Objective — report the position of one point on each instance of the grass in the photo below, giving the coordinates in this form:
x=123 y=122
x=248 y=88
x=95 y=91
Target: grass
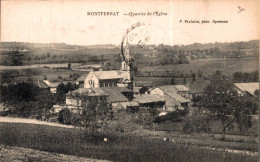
x=118 y=147
x=228 y=66
x=36 y=74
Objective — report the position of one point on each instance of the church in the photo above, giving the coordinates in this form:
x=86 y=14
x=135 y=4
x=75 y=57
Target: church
x=113 y=78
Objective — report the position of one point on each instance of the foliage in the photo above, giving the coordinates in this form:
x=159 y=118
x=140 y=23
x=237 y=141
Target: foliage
x=63 y=89
x=240 y=77
x=172 y=116
x=221 y=100
x=64 y=116
x=143 y=90
x=27 y=100
x=94 y=114
x=146 y=116
x=196 y=122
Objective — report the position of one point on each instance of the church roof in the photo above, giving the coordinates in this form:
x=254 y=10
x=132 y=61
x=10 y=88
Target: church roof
x=103 y=75
x=82 y=78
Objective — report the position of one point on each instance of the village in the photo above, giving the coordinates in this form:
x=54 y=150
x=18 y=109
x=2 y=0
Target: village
x=158 y=81
x=120 y=90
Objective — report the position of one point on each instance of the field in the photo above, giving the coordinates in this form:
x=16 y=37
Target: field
x=228 y=66
x=8 y=153
x=36 y=73
x=79 y=142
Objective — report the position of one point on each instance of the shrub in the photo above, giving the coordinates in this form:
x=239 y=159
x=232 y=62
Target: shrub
x=173 y=116
x=196 y=122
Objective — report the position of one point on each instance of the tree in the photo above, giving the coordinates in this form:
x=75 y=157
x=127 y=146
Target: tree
x=96 y=111
x=184 y=80
x=173 y=81
x=64 y=116
x=45 y=77
x=193 y=76
x=27 y=100
x=63 y=89
x=221 y=100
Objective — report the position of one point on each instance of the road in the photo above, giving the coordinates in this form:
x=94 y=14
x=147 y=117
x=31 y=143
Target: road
x=32 y=121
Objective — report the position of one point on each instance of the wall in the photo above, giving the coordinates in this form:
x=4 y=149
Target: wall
x=91 y=77
x=74 y=102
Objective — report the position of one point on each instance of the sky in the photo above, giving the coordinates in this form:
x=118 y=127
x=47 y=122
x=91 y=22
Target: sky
x=56 y=21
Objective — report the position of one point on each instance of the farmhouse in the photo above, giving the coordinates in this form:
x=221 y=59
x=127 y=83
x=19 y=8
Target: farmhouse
x=117 y=96
x=247 y=88
x=152 y=101
x=173 y=95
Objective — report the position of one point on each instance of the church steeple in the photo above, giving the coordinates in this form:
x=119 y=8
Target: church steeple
x=127 y=51
x=124 y=65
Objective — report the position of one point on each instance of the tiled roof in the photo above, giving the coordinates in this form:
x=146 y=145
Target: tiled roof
x=132 y=103
x=148 y=98
x=115 y=94
x=172 y=91
x=87 y=92
x=42 y=84
x=178 y=97
x=48 y=84
x=82 y=78
x=248 y=87
x=176 y=88
x=108 y=75
x=51 y=85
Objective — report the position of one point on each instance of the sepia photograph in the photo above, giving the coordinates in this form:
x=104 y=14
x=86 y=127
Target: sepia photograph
x=129 y=81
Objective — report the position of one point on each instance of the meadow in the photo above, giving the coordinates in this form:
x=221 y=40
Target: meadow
x=79 y=142
x=228 y=66
x=33 y=74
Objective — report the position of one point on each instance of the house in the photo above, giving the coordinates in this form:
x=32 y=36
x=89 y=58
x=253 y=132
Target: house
x=52 y=86
x=152 y=101
x=247 y=88
x=48 y=85
x=74 y=99
x=117 y=96
x=173 y=96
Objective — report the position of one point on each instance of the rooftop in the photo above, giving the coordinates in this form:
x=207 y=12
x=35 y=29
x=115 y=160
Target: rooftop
x=103 y=75
x=87 y=92
x=148 y=98
x=115 y=93
x=172 y=91
x=176 y=88
x=82 y=78
x=248 y=87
